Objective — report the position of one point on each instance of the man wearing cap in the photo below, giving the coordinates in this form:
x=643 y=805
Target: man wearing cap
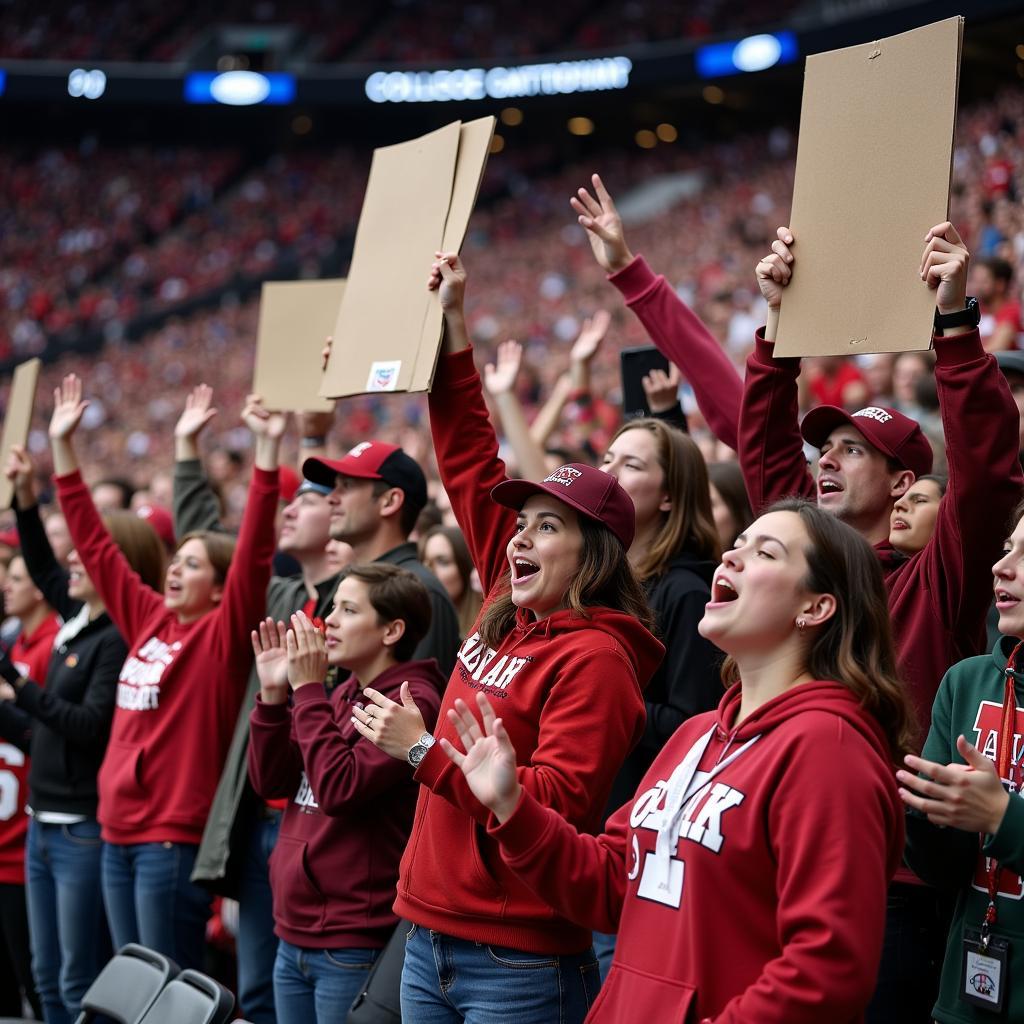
x=377 y=491
x=939 y=597
x=1012 y=365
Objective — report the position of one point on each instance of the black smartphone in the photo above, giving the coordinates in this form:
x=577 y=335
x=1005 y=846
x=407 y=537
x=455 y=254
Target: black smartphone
x=636 y=363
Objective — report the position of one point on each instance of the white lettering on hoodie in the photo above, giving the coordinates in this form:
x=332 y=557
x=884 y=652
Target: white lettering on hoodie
x=476 y=657
x=138 y=687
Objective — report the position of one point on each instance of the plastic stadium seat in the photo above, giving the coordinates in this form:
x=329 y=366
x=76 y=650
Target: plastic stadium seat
x=191 y=998
x=128 y=986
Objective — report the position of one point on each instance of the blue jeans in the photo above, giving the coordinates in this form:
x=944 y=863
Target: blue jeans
x=317 y=986
x=604 y=949
x=150 y=899
x=448 y=981
x=70 y=942
x=256 y=943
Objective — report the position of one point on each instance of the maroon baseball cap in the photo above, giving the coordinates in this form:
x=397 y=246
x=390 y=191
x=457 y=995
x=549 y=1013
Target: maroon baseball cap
x=892 y=433
x=373 y=460
x=161 y=521
x=592 y=493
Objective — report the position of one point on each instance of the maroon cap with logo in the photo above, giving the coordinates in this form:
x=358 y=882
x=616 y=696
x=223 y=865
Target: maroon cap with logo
x=892 y=433
x=373 y=460
x=592 y=493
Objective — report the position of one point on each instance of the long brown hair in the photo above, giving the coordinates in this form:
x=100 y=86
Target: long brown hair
x=139 y=544
x=604 y=579
x=855 y=646
x=688 y=524
x=468 y=604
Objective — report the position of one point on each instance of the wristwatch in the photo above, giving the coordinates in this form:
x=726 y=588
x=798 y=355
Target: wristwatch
x=419 y=749
x=969 y=316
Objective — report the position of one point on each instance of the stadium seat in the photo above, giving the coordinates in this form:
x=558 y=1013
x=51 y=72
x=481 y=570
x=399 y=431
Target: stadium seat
x=128 y=986
x=191 y=998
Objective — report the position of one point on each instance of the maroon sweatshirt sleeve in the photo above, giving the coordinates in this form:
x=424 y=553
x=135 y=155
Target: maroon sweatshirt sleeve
x=771 y=450
x=980 y=423
x=128 y=600
x=582 y=877
x=595 y=696
x=837 y=835
x=346 y=771
x=467 y=457
x=275 y=764
x=682 y=337
x=245 y=590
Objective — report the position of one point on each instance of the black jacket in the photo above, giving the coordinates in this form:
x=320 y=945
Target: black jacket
x=68 y=719
x=688 y=681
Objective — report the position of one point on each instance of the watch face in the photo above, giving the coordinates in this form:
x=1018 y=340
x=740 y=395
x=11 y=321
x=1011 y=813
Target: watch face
x=416 y=754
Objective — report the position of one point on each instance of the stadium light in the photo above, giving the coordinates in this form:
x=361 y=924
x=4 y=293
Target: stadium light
x=90 y=85
x=239 y=88
x=754 y=53
x=3 y=81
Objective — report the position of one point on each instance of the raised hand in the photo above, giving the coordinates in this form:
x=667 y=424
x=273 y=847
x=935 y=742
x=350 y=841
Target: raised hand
x=965 y=796
x=599 y=218
x=68 y=407
x=262 y=422
x=662 y=389
x=448 y=277
x=774 y=271
x=500 y=376
x=271 y=661
x=393 y=727
x=489 y=762
x=197 y=413
x=944 y=267
x=590 y=337
x=307 y=652
x=19 y=471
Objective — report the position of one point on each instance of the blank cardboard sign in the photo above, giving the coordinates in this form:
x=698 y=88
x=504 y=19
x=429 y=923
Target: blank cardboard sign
x=872 y=176
x=17 y=419
x=419 y=198
x=295 y=319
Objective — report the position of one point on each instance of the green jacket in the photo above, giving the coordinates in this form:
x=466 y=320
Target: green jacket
x=195 y=508
x=970 y=702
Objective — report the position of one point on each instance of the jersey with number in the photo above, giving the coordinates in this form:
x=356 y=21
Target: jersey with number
x=31 y=655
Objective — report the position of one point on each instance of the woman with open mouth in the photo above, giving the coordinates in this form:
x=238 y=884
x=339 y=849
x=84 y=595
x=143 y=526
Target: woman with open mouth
x=562 y=645
x=747 y=878
x=912 y=522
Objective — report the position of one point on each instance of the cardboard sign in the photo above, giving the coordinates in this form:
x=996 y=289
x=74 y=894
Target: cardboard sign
x=296 y=318
x=17 y=420
x=873 y=170
x=418 y=201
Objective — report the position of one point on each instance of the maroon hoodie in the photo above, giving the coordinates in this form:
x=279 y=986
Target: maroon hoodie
x=350 y=805
x=938 y=598
x=568 y=689
x=768 y=900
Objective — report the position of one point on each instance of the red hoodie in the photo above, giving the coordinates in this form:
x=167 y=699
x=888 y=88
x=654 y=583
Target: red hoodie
x=31 y=655
x=768 y=904
x=682 y=337
x=181 y=685
x=350 y=805
x=567 y=688
x=938 y=599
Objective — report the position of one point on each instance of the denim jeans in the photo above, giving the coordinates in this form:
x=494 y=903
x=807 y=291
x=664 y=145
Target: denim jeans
x=604 y=950
x=317 y=986
x=256 y=943
x=448 y=981
x=70 y=941
x=150 y=899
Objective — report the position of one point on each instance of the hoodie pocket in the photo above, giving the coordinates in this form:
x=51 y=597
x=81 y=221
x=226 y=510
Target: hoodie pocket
x=485 y=880
x=297 y=899
x=633 y=995
x=125 y=799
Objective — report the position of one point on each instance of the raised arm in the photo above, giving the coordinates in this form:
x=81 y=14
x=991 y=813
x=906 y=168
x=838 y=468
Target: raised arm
x=500 y=378
x=195 y=505
x=464 y=440
x=128 y=600
x=771 y=450
x=672 y=325
x=49 y=576
x=245 y=590
x=980 y=424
